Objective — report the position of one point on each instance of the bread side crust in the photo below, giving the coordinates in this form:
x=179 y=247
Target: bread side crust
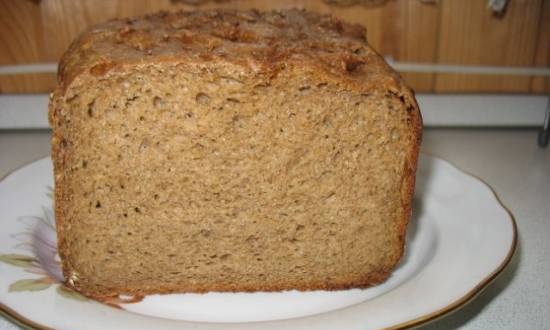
x=369 y=281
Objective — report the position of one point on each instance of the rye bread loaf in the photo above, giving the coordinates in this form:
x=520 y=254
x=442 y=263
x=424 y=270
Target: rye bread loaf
x=230 y=151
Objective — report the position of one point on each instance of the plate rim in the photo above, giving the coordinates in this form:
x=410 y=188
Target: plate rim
x=22 y=321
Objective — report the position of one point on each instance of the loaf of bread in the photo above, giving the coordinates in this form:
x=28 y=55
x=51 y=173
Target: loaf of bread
x=230 y=151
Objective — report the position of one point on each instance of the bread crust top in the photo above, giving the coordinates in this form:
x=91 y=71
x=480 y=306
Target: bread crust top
x=261 y=42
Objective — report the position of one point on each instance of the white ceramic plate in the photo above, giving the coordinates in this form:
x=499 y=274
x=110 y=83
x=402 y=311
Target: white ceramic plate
x=459 y=239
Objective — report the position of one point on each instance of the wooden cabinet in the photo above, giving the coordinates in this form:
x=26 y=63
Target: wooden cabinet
x=459 y=32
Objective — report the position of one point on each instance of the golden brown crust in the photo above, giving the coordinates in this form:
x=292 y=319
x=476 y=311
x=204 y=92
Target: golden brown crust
x=411 y=165
x=365 y=282
x=262 y=44
x=58 y=161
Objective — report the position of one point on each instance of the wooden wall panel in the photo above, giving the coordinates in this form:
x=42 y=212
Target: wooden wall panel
x=20 y=32
x=416 y=39
x=471 y=34
x=541 y=85
x=28 y=83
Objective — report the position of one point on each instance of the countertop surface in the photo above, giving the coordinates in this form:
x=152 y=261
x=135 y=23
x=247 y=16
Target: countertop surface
x=506 y=159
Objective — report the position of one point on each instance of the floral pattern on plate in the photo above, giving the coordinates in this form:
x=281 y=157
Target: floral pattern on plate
x=39 y=240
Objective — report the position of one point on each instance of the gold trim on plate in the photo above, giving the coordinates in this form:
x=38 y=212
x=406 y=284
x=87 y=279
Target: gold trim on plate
x=16 y=318
x=22 y=321
x=468 y=297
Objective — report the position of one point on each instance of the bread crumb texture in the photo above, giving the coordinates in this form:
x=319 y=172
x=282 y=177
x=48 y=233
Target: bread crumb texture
x=230 y=151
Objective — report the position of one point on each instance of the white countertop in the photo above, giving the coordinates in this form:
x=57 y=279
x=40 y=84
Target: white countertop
x=507 y=159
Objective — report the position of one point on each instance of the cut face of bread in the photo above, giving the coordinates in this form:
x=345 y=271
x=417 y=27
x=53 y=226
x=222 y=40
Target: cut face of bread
x=186 y=174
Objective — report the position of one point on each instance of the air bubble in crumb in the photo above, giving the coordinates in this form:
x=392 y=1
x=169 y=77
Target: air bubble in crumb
x=202 y=98
x=158 y=102
x=394 y=134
